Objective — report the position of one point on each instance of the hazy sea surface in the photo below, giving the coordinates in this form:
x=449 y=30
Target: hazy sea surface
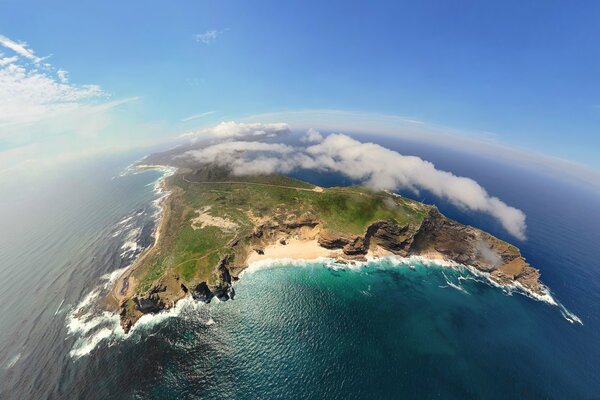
x=309 y=330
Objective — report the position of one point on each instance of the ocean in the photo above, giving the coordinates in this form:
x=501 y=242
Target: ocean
x=310 y=330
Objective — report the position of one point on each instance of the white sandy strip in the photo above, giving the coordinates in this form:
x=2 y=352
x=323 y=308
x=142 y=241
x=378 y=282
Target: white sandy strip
x=297 y=251
x=294 y=249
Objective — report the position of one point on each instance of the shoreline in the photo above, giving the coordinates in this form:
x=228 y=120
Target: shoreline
x=304 y=247
x=274 y=256
x=117 y=293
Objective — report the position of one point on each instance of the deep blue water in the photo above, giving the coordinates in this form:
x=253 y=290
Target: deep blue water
x=312 y=331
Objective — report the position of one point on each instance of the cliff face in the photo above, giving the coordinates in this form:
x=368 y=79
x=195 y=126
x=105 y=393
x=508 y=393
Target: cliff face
x=435 y=236
x=473 y=247
x=438 y=235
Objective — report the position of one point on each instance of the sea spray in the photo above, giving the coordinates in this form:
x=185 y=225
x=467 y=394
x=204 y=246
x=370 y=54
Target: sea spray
x=411 y=261
x=89 y=323
x=92 y=326
x=105 y=326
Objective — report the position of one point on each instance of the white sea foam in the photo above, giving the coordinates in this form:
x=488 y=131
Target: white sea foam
x=131 y=242
x=87 y=300
x=117 y=233
x=278 y=262
x=454 y=285
x=476 y=275
x=84 y=346
x=59 y=306
x=569 y=316
x=125 y=220
x=125 y=224
x=11 y=363
x=92 y=326
x=185 y=306
x=112 y=277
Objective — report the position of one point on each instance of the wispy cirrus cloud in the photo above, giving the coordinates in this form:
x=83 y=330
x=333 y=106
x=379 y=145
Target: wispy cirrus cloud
x=198 y=116
x=7 y=60
x=43 y=114
x=208 y=37
x=29 y=95
x=30 y=92
x=21 y=48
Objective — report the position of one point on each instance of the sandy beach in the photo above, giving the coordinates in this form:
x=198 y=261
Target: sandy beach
x=294 y=249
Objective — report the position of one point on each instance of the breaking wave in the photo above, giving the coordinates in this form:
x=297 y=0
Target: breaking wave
x=91 y=325
x=88 y=322
x=465 y=273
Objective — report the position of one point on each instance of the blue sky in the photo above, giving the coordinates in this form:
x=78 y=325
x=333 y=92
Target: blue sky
x=522 y=75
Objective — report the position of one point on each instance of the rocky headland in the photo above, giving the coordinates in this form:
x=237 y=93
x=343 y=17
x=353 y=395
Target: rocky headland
x=247 y=232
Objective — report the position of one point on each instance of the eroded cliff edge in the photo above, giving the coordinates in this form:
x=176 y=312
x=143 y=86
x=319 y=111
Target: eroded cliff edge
x=436 y=236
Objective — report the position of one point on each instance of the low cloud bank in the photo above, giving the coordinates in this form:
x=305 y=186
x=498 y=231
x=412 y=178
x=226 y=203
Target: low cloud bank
x=232 y=129
x=375 y=165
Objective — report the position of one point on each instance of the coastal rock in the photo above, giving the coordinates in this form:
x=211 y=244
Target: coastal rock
x=424 y=231
x=447 y=237
x=158 y=288
x=391 y=236
x=202 y=293
x=149 y=304
x=332 y=241
x=440 y=236
x=530 y=279
x=358 y=245
x=300 y=222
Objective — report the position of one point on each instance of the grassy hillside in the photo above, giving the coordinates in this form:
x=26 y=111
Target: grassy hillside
x=209 y=208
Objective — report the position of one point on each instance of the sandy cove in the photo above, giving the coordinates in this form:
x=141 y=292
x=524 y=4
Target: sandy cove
x=309 y=249
x=294 y=249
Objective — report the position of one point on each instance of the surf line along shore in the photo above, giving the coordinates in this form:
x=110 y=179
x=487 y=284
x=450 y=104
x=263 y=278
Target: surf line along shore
x=274 y=217
x=125 y=283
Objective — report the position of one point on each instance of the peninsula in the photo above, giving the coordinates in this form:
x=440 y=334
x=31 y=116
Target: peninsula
x=215 y=224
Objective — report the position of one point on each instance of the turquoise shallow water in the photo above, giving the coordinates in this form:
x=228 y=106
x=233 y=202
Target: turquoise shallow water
x=379 y=331
x=311 y=331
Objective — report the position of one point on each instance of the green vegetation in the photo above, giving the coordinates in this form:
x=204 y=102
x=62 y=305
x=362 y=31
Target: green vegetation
x=189 y=250
x=352 y=210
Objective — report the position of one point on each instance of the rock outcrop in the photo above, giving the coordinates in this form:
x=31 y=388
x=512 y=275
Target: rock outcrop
x=440 y=236
x=435 y=236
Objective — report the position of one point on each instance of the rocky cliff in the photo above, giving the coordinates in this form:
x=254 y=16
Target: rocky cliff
x=435 y=236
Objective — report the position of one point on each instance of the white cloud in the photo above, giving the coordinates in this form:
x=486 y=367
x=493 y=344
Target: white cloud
x=208 y=37
x=375 y=165
x=312 y=136
x=229 y=152
x=28 y=94
x=382 y=168
x=198 y=116
x=8 y=60
x=233 y=129
x=44 y=116
x=62 y=75
x=475 y=142
x=20 y=48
